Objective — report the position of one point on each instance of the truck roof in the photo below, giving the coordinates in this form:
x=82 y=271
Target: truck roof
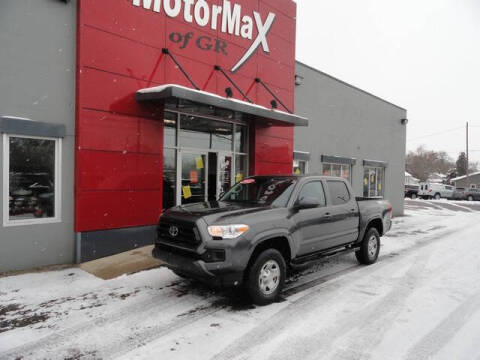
x=293 y=176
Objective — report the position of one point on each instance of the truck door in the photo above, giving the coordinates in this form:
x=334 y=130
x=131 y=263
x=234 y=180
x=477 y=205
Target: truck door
x=343 y=208
x=311 y=225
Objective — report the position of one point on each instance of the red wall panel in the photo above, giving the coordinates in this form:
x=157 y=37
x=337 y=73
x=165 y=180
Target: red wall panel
x=119 y=152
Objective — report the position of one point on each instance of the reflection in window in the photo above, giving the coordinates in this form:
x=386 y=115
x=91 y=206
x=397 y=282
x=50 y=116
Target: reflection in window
x=240 y=168
x=31 y=185
x=338 y=192
x=170 y=129
x=197 y=132
x=313 y=190
x=241 y=138
x=169 y=177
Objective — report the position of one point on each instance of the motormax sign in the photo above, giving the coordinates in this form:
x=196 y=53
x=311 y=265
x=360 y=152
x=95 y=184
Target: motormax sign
x=228 y=18
x=249 y=39
x=121 y=49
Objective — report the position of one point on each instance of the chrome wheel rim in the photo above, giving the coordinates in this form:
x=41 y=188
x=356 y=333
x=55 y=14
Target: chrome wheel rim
x=269 y=277
x=372 y=247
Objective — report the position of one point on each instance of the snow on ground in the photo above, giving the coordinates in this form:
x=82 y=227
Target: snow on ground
x=421 y=300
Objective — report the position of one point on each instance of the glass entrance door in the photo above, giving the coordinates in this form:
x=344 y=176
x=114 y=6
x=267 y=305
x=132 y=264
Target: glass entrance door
x=224 y=173
x=219 y=174
x=194 y=184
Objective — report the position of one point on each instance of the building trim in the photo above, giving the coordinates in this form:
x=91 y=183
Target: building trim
x=375 y=163
x=23 y=126
x=97 y=244
x=338 y=160
x=301 y=155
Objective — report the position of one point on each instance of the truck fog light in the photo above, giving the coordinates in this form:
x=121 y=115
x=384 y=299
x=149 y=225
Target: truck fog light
x=214 y=255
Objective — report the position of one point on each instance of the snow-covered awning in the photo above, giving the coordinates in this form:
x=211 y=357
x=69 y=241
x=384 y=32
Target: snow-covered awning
x=203 y=97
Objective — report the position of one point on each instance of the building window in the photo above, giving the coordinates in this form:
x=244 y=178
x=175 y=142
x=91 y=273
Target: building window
x=373 y=181
x=338 y=170
x=300 y=167
x=31 y=180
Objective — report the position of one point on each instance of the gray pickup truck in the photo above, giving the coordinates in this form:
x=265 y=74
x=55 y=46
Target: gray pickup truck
x=267 y=224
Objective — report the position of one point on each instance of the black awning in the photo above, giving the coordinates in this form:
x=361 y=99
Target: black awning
x=180 y=92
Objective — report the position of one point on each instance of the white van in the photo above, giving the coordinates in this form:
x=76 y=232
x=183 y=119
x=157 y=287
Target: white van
x=435 y=191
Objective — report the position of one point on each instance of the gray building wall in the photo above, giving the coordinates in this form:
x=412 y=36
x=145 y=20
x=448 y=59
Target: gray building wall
x=348 y=122
x=37 y=67
x=473 y=179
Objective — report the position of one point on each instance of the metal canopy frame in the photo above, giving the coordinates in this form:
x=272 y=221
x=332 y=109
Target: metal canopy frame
x=175 y=91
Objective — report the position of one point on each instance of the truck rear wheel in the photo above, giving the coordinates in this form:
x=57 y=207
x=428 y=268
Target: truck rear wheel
x=266 y=277
x=369 y=248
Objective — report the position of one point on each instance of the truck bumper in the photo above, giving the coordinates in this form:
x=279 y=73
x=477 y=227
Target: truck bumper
x=207 y=273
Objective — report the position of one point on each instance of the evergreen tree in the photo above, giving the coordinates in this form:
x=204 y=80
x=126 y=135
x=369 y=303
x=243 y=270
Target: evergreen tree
x=462 y=164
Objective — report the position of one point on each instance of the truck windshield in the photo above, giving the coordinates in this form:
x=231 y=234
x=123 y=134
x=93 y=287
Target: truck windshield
x=261 y=191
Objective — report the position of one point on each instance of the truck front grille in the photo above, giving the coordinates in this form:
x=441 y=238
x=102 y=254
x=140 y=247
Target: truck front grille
x=184 y=233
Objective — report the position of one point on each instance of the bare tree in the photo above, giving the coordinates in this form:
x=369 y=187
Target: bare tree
x=422 y=163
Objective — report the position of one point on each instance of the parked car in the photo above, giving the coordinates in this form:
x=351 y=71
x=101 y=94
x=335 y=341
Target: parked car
x=435 y=191
x=411 y=191
x=267 y=224
x=466 y=194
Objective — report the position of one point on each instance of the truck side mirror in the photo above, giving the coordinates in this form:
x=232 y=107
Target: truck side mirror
x=307 y=203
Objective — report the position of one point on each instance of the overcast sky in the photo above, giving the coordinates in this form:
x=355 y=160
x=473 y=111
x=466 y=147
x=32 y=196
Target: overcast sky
x=423 y=55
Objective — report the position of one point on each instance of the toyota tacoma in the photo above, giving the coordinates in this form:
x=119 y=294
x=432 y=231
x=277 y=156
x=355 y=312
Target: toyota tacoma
x=265 y=225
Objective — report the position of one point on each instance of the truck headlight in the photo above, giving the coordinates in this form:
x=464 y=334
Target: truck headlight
x=227 y=231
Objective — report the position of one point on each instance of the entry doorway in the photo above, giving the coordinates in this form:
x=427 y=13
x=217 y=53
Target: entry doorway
x=219 y=174
x=203 y=155
x=205 y=176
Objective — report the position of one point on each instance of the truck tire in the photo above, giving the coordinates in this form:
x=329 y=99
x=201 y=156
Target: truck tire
x=437 y=196
x=413 y=196
x=266 y=277
x=470 y=198
x=369 y=248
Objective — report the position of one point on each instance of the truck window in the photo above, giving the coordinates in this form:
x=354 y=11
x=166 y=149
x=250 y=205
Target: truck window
x=338 y=192
x=261 y=191
x=314 y=190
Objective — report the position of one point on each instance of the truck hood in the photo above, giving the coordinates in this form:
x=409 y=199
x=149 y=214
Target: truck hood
x=213 y=211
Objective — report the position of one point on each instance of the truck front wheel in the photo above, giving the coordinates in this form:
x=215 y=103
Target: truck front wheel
x=266 y=277
x=369 y=248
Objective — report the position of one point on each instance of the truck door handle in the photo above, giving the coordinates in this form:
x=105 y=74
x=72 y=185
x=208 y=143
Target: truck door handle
x=327 y=216
x=352 y=210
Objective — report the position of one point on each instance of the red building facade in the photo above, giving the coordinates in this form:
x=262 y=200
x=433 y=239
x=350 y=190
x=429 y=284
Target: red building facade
x=128 y=45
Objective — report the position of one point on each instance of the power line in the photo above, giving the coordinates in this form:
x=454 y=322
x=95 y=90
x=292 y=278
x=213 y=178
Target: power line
x=435 y=134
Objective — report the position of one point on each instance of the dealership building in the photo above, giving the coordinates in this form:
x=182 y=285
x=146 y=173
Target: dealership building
x=114 y=110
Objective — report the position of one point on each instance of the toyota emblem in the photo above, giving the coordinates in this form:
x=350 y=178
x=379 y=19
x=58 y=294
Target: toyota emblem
x=173 y=231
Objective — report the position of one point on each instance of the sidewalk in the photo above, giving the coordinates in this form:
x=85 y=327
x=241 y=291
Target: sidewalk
x=124 y=263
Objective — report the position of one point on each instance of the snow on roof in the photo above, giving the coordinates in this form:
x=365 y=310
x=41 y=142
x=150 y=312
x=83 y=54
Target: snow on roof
x=160 y=88
x=465 y=176
x=262 y=110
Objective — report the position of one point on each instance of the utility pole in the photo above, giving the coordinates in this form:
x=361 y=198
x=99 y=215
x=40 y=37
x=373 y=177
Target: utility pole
x=468 y=161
